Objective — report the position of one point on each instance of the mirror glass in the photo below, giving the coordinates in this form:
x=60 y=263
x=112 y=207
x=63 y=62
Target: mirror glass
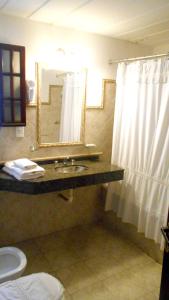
x=60 y=106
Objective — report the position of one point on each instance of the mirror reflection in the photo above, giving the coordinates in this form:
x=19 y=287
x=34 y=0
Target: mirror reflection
x=61 y=106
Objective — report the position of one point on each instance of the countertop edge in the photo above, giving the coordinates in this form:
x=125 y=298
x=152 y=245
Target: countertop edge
x=59 y=184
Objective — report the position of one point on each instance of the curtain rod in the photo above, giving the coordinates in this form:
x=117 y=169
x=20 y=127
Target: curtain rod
x=111 y=61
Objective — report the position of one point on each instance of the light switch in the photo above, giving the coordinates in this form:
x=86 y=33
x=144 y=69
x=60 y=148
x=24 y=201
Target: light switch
x=20 y=132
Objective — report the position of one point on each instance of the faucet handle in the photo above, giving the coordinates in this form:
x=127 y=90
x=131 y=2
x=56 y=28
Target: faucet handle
x=72 y=161
x=56 y=162
x=65 y=161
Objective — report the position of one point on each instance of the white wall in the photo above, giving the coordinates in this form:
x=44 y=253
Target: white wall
x=41 y=42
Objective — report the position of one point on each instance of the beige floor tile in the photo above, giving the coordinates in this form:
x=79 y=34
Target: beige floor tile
x=75 y=238
x=67 y=296
x=61 y=258
x=156 y=294
x=125 y=292
x=96 y=239
x=94 y=263
x=104 y=266
x=98 y=246
x=94 y=292
x=65 y=239
x=36 y=261
x=150 y=296
x=95 y=229
x=37 y=264
x=76 y=277
x=133 y=259
x=28 y=247
x=149 y=277
x=49 y=242
x=112 y=245
x=123 y=286
x=91 y=250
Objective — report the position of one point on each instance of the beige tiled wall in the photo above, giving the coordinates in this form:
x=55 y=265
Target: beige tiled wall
x=99 y=123
x=98 y=130
x=25 y=216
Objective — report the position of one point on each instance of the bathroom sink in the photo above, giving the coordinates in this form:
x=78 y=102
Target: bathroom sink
x=71 y=168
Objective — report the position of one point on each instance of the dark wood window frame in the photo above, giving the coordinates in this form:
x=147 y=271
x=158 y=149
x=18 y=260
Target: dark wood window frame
x=14 y=102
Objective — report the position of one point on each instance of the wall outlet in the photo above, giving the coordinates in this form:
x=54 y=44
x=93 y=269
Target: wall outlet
x=20 y=132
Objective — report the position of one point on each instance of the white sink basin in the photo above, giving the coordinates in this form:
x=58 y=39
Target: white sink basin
x=71 y=168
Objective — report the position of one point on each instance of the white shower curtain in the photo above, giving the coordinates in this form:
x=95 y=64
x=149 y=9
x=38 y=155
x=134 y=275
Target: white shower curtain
x=71 y=111
x=141 y=146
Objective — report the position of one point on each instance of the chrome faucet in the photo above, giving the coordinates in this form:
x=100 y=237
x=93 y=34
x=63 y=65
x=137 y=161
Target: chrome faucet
x=66 y=160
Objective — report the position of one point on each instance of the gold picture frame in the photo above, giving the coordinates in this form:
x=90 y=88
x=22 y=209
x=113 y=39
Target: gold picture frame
x=51 y=86
x=101 y=106
x=42 y=144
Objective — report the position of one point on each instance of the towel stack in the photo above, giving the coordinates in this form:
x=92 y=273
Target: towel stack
x=23 y=169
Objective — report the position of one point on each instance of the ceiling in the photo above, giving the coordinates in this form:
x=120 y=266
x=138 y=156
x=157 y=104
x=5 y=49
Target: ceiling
x=142 y=21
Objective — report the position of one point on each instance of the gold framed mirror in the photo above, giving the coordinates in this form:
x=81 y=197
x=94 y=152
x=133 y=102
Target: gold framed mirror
x=61 y=98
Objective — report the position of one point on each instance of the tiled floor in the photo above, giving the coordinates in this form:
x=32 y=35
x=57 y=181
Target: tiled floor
x=94 y=263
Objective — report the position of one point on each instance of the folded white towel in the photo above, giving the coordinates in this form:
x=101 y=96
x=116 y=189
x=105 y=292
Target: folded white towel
x=32 y=175
x=20 y=174
x=40 y=286
x=23 y=163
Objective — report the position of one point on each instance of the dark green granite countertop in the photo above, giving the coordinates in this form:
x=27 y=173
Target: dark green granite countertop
x=97 y=172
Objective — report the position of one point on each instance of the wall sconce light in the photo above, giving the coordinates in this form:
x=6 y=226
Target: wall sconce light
x=60 y=52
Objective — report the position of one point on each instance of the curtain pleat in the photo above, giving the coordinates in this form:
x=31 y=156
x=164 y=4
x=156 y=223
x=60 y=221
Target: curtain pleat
x=141 y=146
x=71 y=110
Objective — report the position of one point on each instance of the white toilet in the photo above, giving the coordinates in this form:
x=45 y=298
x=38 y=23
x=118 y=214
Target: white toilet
x=12 y=263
